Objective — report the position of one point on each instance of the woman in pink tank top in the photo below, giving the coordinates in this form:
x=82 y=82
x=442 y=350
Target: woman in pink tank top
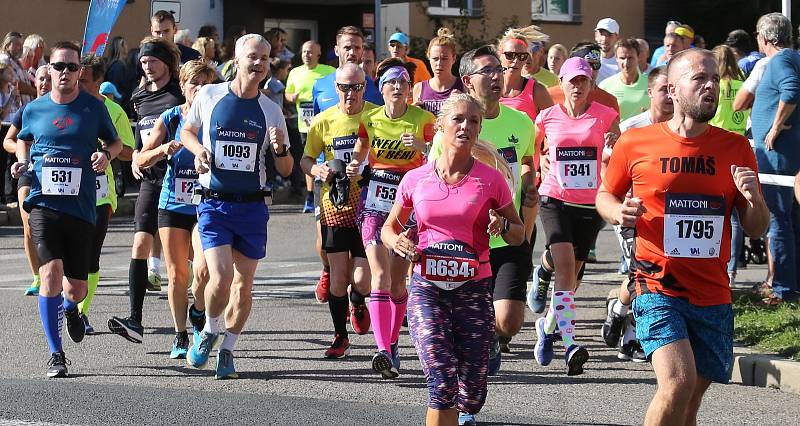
x=430 y=94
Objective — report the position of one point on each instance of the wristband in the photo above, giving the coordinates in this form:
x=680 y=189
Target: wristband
x=506 y=226
x=282 y=154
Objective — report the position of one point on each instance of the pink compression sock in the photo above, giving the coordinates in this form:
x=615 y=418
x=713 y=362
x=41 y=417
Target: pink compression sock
x=380 y=312
x=398 y=313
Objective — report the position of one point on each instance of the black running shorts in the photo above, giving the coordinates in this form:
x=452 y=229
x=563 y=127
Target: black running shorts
x=564 y=223
x=170 y=219
x=146 y=208
x=64 y=237
x=338 y=239
x=511 y=268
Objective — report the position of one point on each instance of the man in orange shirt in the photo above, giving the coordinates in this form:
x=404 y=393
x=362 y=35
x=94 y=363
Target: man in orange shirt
x=686 y=177
x=398 y=48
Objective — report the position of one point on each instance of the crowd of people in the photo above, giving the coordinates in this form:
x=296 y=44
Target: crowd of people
x=426 y=184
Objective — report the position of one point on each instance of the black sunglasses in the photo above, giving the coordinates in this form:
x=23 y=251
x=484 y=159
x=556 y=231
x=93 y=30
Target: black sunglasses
x=357 y=87
x=522 y=56
x=69 y=66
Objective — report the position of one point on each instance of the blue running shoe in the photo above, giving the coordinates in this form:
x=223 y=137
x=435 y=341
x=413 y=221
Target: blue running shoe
x=225 y=368
x=198 y=353
x=537 y=295
x=575 y=357
x=32 y=291
x=396 y=355
x=543 y=349
x=466 y=419
x=180 y=346
x=382 y=363
x=495 y=357
x=308 y=207
x=88 y=329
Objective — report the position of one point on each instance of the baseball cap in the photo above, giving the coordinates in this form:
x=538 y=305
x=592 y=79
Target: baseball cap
x=108 y=88
x=399 y=37
x=608 y=24
x=574 y=67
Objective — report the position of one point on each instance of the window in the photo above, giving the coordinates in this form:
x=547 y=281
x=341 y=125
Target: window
x=556 y=10
x=469 y=8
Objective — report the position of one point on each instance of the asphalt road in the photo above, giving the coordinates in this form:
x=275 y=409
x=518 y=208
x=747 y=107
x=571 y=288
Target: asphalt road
x=285 y=380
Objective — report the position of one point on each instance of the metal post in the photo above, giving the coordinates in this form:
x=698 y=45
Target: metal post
x=787 y=8
x=377 y=35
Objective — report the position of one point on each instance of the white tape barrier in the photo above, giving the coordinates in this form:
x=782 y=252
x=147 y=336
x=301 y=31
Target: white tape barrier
x=779 y=180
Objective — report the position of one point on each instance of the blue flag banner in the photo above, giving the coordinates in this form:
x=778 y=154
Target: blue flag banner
x=99 y=21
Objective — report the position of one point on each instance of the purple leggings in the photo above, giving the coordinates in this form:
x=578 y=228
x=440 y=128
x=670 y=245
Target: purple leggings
x=452 y=331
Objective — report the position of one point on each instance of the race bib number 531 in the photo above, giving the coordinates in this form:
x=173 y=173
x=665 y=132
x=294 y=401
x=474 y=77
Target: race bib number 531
x=693 y=225
x=61 y=175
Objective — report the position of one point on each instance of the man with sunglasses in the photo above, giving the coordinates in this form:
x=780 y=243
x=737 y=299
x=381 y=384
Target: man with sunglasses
x=65 y=126
x=398 y=48
x=333 y=134
x=606 y=34
x=534 y=68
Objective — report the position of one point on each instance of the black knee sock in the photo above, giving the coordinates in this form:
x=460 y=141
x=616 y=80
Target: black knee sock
x=338 y=307
x=137 y=287
x=356 y=298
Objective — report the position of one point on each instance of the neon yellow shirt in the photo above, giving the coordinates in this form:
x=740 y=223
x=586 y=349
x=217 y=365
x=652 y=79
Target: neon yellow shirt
x=336 y=133
x=546 y=77
x=726 y=117
x=513 y=133
x=125 y=133
x=632 y=98
x=301 y=81
x=386 y=148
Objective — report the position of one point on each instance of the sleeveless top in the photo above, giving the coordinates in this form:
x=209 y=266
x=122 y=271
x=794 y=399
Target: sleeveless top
x=432 y=100
x=524 y=101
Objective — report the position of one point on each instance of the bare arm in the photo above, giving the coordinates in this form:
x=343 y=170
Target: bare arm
x=360 y=151
x=416 y=93
x=541 y=97
x=617 y=211
x=744 y=100
x=781 y=115
x=754 y=215
x=152 y=148
x=10 y=141
x=530 y=202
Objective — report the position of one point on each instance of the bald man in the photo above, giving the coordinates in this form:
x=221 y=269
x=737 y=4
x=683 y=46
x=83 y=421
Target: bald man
x=686 y=177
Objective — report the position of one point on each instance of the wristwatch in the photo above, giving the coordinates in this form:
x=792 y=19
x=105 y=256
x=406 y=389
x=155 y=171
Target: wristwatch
x=108 y=154
x=506 y=226
x=282 y=154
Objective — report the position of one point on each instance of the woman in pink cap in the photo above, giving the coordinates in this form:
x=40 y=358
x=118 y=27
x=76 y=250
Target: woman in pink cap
x=576 y=133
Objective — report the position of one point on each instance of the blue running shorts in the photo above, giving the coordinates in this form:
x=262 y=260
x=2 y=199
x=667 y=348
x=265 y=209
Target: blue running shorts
x=242 y=225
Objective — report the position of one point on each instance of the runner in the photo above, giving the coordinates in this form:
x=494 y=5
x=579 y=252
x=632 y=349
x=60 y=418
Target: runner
x=629 y=85
x=683 y=302
x=60 y=133
x=619 y=328
x=458 y=203
x=396 y=138
x=398 y=48
x=442 y=51
x=299 y=86
x=244 y=141
x=158 y=92
x=512 y=134
x=523 y=94
x=576 y=133
x=91 y=77
x=43 y=85
x=177 y=213
x=556 y=57
x=333 y=133
x=533 y=66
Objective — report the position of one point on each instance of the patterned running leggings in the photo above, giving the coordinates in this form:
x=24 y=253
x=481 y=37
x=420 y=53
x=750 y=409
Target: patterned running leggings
x=452 y=331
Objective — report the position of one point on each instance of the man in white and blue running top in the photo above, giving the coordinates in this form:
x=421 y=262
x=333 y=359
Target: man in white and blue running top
x=244 y=142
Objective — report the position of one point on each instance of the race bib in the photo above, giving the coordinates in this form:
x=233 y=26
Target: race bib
x=382 y=190
x=693 y=225
x=185 y=181
x=61 y=175
x=577 y=167
x=510 y=154
x=343 y=147
x=449 y=264
x=306 y=110
x=101 y=185
x=237 y=156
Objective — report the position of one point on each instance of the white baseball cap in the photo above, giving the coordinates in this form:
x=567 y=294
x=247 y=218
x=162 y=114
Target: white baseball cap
x=608 y=24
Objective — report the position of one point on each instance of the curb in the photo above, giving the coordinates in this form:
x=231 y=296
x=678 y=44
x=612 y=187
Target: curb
x=751 y=368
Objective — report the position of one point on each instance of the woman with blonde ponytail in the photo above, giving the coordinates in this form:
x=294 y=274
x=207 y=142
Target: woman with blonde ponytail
x=430 y=94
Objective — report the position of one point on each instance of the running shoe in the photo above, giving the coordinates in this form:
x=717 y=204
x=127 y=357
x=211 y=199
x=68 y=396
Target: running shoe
x=198 y=353
x=466 y=419
x=504 y=348
x=613 y=325
x=543 y=349
x=153 y=280
x=359 y=319
x=537 y=296
x=57 y=366
x=495 y=357
x=180 y=346
x=225 y=368
x=575 y=357
x=382 y=363
x=592 y=256
x=323 y=289
x=395 y=347
x=88 y=329
x=128 y=328
x=340 y=347
x=33 y=290
x=631 y=351
x=75 y=327
x=197 y=318
x=308 y=207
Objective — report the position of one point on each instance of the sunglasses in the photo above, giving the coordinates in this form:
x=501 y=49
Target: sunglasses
x=522 y=56
x=69 y=66
x=357 y=87
x=489 y=71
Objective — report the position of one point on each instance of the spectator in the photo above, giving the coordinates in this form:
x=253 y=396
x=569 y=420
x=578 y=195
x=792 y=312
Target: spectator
x=277 y=39
x=658 y=54
x=776 y=131
x=162 y=25
x=33 y=54
x=274 y=88
x=118 y=71
x=226 y=70
x=182 y=38
x=673 y=43
x=211 y=32
x=398 y=48
x=606 y=34
x=9 y=97
x=205 y=46
x=556 y=57
x=10 y=53
x=644 y=53
x=687 y=36
x=742 y=46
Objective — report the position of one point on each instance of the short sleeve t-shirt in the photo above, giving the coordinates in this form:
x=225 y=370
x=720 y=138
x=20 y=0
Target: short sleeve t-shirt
x=181 y=176
x=387 y=151
x=639 y=120
x=575 y=151
x=632 y=98
x=452 y=219
x=149 y=106
x=546 y=77
x=334 y=134
x=64 y=138
x=325 y=95
x=596 y=95
x=421 y=73
x=105 y=185
x=301 y=81
x=683 y=238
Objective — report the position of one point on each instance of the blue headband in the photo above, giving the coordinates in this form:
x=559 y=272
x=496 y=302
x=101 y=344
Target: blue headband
x=393 y=73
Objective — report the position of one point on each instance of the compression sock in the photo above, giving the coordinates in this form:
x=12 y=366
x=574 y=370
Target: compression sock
x=563 y=306
x=212 y=324
x=91 y=287
x=229 y=341
x=338 y=306
x=137 y=285
x=51 y=312
x=380 y=312
x=195 y=313
x=69 y=305
x=398 y=313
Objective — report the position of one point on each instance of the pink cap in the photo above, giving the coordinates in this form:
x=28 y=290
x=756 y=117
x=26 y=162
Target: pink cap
x=574 y=67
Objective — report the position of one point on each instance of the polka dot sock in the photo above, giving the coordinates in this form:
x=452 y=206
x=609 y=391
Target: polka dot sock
x=562 y=315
